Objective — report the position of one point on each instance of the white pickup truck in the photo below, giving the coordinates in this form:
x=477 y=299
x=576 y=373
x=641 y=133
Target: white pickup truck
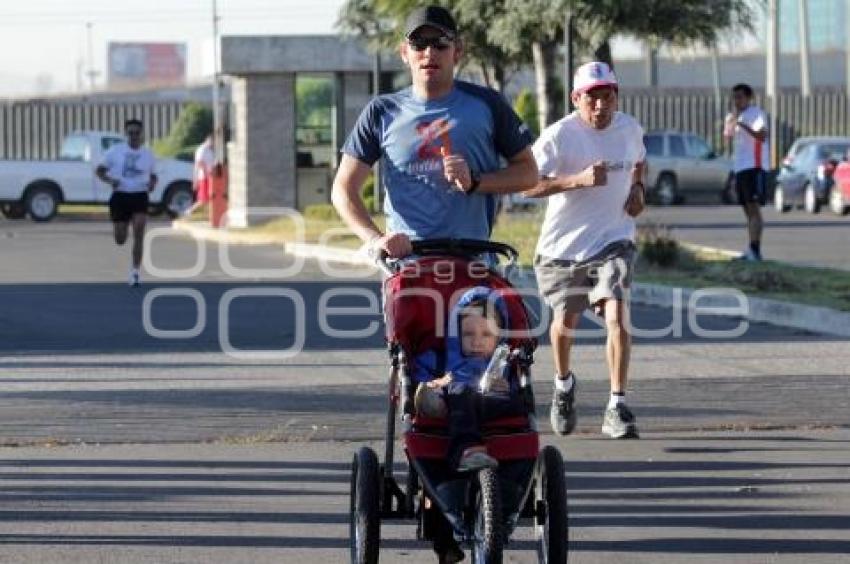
x=36 y=188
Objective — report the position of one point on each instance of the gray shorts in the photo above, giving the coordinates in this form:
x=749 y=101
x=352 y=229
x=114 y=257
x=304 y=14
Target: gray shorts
x=573 y=286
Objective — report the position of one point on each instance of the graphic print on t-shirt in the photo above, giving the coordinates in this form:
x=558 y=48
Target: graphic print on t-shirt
x=433 y=137
x=430 y=132
x=130 y=168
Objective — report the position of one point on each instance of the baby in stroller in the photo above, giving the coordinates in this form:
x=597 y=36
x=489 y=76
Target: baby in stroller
x=474 y=345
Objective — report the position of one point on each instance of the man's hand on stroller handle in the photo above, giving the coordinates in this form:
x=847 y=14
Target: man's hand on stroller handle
x=391 y=245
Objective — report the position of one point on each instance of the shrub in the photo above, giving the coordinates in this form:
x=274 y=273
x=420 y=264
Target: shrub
x=525 y=106
x=657 y=245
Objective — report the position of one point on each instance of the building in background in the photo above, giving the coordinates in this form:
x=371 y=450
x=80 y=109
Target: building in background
x=145 y=65
x=741 y=56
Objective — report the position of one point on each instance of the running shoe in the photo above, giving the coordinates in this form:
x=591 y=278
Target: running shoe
x=563 y=414
x=619 y=423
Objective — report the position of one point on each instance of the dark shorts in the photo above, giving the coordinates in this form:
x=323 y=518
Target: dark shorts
x=751 y=186
x=572 y=286
x=122 y=205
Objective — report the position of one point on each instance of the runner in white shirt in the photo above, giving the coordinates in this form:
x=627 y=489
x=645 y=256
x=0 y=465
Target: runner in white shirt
x=129 y=169
x=747 y=125
x=591 y=164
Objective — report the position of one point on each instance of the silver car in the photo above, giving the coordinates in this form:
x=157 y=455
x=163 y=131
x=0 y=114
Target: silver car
x=683 y=167
x=806 y=172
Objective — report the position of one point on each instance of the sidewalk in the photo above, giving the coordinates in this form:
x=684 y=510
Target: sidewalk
x=814 y=319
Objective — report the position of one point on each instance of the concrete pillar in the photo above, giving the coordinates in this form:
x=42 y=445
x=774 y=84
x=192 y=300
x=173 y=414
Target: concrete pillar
x=357 y=87
x=262 y=157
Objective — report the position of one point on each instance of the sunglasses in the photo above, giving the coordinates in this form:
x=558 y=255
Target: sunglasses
x=440 y=43
x=134 y=132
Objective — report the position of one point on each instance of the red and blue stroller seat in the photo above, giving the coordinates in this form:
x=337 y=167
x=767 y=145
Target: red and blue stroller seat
x=418 y=301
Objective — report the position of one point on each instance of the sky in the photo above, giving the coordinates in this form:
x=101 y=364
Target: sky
x=44 y=42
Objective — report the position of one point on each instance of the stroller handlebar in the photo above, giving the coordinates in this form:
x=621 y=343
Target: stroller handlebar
x=453 y=247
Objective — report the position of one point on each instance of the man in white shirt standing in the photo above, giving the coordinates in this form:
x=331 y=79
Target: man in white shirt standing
x=204 y=165
x=591 y=165
x=747 y=125
x=129 y=169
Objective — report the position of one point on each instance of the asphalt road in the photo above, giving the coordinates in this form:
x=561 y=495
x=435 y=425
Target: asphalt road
x=125 y=446
x=796 y=237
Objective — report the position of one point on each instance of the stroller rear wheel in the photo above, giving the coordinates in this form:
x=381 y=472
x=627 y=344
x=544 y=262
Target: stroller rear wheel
x=550 y=497
x=489 y=522
x=364 y=515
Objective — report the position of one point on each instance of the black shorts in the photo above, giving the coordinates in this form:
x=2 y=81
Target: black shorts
x=751 y=186
x=122 y=205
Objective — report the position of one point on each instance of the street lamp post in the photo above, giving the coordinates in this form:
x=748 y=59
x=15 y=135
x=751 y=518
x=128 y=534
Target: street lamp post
x=772 y=89
x=805 y=76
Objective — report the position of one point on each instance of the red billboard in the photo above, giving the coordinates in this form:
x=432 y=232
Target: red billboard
x=147 y=64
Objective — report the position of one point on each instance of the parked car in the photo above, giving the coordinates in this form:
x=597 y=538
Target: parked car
x=36 y=188
x=682 y=167
x=807 y=174
x=516 y=202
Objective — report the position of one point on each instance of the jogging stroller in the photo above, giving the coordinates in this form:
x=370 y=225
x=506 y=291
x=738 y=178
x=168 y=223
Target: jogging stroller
x=482 y=508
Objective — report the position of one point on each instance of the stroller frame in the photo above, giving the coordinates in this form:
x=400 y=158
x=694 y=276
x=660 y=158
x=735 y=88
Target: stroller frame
x=542 y=496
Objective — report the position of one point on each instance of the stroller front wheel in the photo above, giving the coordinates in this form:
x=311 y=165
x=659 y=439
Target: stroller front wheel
x=489 y=521
x=364 y=514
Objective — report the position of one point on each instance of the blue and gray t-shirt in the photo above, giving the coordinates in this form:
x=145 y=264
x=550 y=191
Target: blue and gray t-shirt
x=410 y=132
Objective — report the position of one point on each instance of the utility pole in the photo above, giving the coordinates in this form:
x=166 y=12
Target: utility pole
x=847 y=50
x=92 y=74
x=218 y=129
x=772 y=88
x=805 y=78
x=651 y=64
x=718 y=85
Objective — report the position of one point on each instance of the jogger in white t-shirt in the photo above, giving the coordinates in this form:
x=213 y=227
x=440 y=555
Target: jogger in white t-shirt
x=591 y=164
x=129 y=169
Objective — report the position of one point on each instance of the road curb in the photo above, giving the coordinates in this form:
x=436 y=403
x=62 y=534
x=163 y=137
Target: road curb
x=723 y=303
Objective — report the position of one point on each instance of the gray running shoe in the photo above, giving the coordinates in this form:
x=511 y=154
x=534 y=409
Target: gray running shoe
x=563 y=414
x=619 y=423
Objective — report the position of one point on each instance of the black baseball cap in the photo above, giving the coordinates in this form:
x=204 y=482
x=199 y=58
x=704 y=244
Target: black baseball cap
x=433 y=16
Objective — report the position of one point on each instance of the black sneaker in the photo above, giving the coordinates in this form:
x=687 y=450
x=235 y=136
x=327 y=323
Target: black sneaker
x=619 y=423
x=563 y=415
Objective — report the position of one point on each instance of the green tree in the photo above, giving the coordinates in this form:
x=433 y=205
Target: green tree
x=537 y=26
x=381 y=22
x=503 y=33
x=189 y=131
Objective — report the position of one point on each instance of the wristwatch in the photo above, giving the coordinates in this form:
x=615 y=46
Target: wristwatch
x=476 y=181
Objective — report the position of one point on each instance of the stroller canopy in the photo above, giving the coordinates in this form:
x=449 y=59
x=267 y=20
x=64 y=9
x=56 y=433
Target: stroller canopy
x=420 y=297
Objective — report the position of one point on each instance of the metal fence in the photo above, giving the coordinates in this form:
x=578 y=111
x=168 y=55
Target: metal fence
x=35 y=129
x=823 y=113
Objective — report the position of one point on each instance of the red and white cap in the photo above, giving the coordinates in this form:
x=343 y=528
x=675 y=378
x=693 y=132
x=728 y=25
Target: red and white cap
x=593 y=75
